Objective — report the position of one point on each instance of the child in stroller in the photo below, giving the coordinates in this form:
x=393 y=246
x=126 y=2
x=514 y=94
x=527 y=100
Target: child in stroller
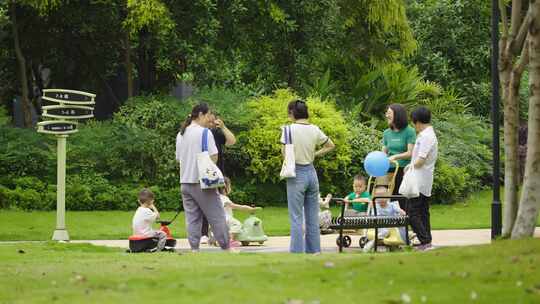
x=391 y=237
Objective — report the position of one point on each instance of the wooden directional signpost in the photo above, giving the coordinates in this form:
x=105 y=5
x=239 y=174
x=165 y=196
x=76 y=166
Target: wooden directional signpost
x=69 y=107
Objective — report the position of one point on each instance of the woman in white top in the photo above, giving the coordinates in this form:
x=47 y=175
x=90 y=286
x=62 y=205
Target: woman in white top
x=196 y=201
x=424 y=157
x=303 y=190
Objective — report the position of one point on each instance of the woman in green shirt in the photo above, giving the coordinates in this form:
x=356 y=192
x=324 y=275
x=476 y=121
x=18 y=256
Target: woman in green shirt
x=398 y=141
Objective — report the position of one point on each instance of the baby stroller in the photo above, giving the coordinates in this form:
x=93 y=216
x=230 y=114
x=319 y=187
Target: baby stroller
x=387 y=181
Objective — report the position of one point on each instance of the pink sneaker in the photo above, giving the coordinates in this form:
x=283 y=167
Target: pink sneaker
x=234 y=244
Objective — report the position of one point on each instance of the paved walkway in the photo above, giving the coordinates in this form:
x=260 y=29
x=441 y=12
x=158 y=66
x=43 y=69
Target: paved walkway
x=441 y=238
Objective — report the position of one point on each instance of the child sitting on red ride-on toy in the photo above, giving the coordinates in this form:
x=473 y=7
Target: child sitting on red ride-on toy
x=144 y=238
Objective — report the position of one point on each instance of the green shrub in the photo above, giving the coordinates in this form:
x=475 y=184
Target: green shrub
x=27 y=193
x=25 y=199
x=24 y=152
x=464 y=142
x=152 y=122
x=4 y=117
x=5 y=195
x=231 y=106
x=259 y=194
x=451 y=184
x=261 y=141
x=164 y=114
x=364 y=139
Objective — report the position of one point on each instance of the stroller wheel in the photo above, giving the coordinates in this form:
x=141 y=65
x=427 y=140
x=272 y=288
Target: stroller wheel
x=362 y=242
x=346 y=241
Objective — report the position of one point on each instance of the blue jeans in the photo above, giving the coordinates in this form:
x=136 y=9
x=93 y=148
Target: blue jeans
x=303 y=200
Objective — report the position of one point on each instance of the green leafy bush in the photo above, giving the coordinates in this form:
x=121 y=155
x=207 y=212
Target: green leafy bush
x=4 y=117
x=160 y=113
x=364 y=139
x=464 y=142
x=27 y=193
x=450 y=184
x=231 y=106
x=24 y=152
x=261 y=141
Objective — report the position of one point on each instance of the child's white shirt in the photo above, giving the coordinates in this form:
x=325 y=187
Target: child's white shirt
x=227 y=205
x=143 y=220
x=391 y=209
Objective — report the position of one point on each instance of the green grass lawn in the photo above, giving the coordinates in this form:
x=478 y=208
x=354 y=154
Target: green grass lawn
x=18 y=225
x=504 y=272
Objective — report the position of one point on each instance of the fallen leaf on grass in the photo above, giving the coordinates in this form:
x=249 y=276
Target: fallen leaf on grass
x=294 y=301
x=405 y=298
x=80 y=278
x=329 y=264
x=122 y=286
x=514 y=259
x=474 y=295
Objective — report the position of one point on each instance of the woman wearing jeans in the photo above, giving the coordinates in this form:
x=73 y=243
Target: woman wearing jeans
x=303 y=190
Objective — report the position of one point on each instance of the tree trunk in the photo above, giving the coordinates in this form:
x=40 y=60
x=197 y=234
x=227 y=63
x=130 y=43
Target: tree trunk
x=530 y=196
x=26 y=108
x=511 y=162
x=511 y=80
x=510 y=74
x=129 y=67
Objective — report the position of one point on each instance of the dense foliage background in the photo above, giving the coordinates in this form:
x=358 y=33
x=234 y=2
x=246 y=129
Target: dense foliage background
x=247 y=58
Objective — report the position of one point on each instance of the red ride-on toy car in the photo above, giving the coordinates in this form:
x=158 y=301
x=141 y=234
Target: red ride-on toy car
x=140 y=243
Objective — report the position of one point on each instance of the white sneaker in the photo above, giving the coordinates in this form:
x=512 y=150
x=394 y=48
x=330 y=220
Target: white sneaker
x=368 y=246
x=204 y=239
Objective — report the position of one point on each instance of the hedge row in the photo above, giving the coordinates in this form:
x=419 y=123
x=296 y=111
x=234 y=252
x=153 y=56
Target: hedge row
x=109 y=161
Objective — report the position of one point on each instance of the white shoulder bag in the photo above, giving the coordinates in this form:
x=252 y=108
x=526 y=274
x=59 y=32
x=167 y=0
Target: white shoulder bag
x=288 y=169
x=409 y=185
x=210 y=176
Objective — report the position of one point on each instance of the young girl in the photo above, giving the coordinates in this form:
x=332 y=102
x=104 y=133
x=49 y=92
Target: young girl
x=235 y=226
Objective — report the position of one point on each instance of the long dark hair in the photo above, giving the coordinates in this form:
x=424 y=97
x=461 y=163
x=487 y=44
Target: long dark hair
x=298 y=108
x=400 y=120
x=201 y=108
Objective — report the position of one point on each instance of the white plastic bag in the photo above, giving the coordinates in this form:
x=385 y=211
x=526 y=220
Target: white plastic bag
x=210 y=176
x=288 y=169
x=409 y=186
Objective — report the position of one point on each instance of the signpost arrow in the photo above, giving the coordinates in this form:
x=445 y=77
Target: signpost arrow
x=68 y=112
x=68 y=96
x=57 y=127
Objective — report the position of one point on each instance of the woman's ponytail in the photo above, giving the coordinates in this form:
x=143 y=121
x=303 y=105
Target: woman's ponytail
x=186 y=123
x=201 y=108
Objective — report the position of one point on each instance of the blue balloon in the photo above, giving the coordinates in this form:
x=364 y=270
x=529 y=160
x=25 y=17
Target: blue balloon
x=376 y=164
